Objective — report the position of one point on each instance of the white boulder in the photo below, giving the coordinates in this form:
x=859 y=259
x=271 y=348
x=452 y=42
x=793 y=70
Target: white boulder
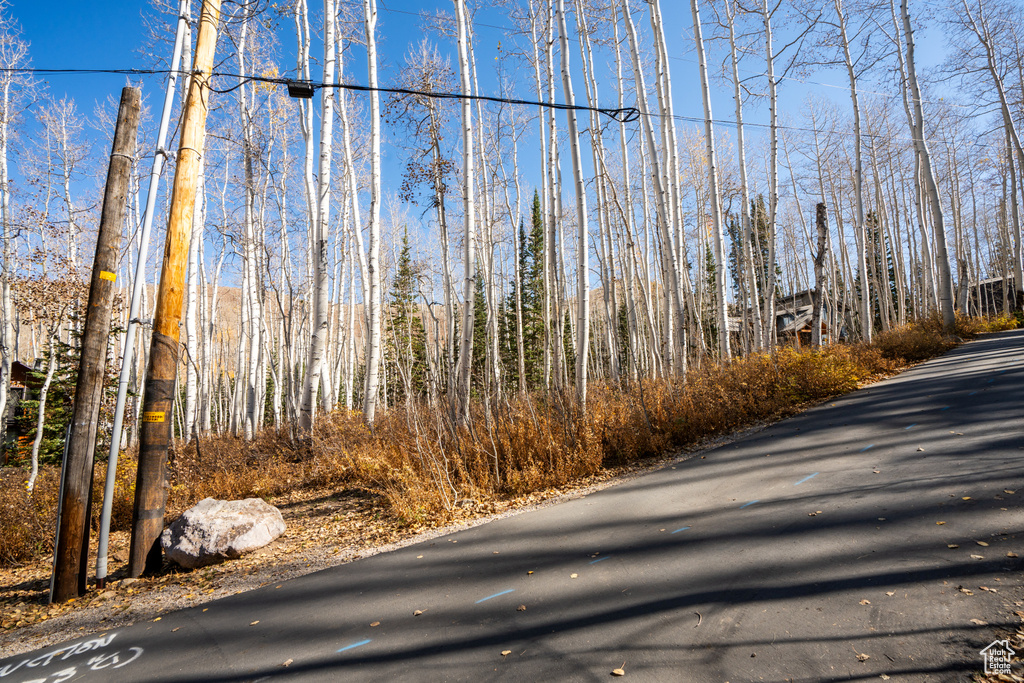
x=213 y=531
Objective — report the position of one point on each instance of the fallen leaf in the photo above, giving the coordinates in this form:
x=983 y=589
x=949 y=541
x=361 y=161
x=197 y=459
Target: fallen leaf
x=979 y=622
x=573 y=576
x=966 y=498
x=920 y=449
x=417 y=613
x=977 y=557
x=1009 y=491
x=254 y=622
x=530 y=572
x=521 y=608
x=1011 y=554
x=158 y=619
x=982 y=543
x=621 y=671
x=376 y=623
x=863 y=657
x=952 y=546
x=883 y=677
x=940 y=523
x=287 y=662
x=865 y=602
x=506 y=653
x=965 y=591
x=890 y=592
x=419 y=557
x=986 y=588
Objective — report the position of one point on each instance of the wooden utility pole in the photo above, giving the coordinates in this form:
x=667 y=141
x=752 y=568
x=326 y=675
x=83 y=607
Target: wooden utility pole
x=155 y=433
x=72 y=552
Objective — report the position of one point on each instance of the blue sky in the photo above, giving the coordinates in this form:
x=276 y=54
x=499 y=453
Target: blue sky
x=103 y=35
x=112 y=35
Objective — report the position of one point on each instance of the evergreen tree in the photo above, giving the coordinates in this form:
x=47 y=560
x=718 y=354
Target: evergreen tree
x=531 y=277
x=479 y=334
x=760 y=234
x=405 y=350
x=532 y=256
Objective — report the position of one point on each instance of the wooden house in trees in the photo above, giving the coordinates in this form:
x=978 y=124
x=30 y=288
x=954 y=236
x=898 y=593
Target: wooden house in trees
x=988 y=296
x=21 y=382
x=793 y=314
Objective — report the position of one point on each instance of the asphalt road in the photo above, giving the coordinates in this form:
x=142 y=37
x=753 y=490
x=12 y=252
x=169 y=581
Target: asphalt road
x=814 y=550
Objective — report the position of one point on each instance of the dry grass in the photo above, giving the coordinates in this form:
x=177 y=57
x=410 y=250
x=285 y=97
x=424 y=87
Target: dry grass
x=423 y=466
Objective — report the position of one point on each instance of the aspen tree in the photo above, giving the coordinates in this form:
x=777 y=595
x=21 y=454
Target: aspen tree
x=859 y=228
x=465 y=367
x=554 y=216
x=626 y=209
x=672 y=277
x=582 y=248
x=773 y=176
x=602 y=187
x=979 y=25
x=318 y=367
x=13 y=54
x=545 y=180
x=945 y=283
x=741 y=160
x=192 y=360
x=716 y=208
x=373 y=350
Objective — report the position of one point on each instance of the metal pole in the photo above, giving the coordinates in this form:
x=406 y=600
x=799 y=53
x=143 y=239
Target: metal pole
x=157 y=407
x=138 y=287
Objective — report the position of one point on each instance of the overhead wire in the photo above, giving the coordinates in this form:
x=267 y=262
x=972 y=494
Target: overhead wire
x=622 y=115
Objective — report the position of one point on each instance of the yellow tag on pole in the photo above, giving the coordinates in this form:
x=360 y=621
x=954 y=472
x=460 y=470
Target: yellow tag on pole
x=104 y=275
x=154 y=416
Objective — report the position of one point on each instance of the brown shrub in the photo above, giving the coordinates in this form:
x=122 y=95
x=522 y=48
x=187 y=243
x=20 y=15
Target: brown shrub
x=27 y=521
x=422 y=464
x=913 y=343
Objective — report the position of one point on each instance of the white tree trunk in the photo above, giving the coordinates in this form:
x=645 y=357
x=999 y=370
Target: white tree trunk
x=469 y=217
x=41 y=417
x=583 y=242
x=716 y=206
x=373 y=350
x=945 y=282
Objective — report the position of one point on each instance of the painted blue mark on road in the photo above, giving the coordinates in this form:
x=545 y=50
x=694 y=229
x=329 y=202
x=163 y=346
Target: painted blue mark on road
x=990 y=381
x=972 y=393
x=600 y=559
x=746 y=505
x=510 y=590
x=810 y=476
x=361 y=642
x=682 y=528
x=910 y=426
x=868 y=447
x=946 y=408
